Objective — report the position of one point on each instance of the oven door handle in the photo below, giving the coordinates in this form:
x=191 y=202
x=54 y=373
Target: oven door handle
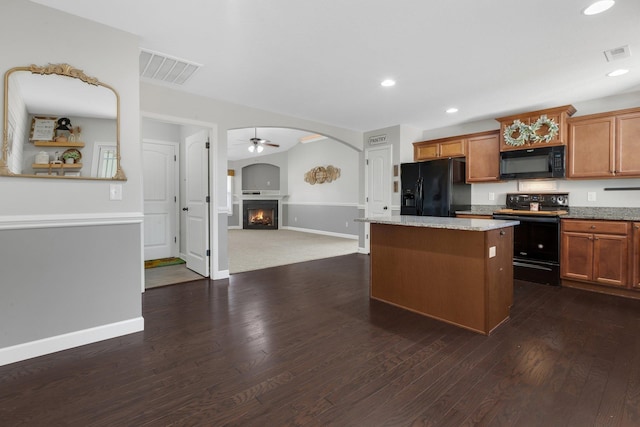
x=527 y=218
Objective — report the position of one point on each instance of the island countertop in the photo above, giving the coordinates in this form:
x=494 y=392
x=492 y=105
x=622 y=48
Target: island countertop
x=466 y=224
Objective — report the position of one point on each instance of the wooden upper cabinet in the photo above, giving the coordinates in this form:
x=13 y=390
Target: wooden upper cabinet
x=628 y=144
x=604 y=145
x=439 y=148
x=591 y=147
x=559 y=115
x=483 y=157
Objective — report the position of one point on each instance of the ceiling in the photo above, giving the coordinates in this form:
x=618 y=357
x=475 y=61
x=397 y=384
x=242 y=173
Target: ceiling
x=238 y=141
x=324 y=60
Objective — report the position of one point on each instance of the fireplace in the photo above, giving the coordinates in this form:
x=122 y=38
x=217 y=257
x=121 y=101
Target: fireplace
x=260 y=214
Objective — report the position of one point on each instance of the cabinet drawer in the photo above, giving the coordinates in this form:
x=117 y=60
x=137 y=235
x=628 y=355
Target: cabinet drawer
x=608 y=227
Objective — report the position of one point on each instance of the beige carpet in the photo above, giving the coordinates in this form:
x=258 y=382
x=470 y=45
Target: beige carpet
x=257 y=249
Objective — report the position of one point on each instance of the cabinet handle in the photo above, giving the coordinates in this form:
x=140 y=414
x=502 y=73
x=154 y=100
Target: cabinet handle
x=637 y=227
x=590 y=237
x=596 y=238
x=502 y=232
x=593 y=227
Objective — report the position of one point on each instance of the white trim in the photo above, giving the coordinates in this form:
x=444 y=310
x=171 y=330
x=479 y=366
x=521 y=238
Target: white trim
x=234 y=227
x=20 y=222
x=53 y=344
x=354 y=205
x=220 y=274
x=326 y=233
x=363 y=251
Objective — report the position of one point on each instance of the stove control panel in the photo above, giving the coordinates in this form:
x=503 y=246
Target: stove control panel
x=538 y=201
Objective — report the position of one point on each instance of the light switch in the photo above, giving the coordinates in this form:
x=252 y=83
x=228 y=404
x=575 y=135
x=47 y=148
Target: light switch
x=492 y=196
x=115 y=192
x=492 y=251
x=591 y=196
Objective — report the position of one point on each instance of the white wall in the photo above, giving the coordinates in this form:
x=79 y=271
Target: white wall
x=304 y=157
x=66 y=217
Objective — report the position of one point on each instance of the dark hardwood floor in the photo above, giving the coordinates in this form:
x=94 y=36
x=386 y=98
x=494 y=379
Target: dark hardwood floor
x=303 y=345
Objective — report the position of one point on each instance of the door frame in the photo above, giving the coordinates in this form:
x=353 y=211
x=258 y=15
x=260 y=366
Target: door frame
x=367 y=225
x=217 y=206
x=176 y=185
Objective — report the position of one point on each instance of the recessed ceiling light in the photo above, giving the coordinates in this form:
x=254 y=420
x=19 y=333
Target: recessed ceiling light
x=617 y=73
x=599 y=7
x=452 y=110
x=388 y=83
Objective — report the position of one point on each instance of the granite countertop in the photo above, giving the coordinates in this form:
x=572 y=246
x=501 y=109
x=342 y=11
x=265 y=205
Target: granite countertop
x=575 y=212
x=448 y=223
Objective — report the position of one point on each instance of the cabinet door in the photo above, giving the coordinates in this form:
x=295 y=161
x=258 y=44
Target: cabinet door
x=576 y=258
x=610 y=259
x=628 y=144
x=483 y=158
x=425 y=152
x=591 y=148
x=452 y=148
x=636 y=256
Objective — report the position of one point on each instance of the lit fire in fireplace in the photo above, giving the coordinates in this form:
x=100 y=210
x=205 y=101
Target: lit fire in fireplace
x=260 y=217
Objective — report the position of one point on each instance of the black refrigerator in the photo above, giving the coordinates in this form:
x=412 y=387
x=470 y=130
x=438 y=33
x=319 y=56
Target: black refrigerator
x=434 y=188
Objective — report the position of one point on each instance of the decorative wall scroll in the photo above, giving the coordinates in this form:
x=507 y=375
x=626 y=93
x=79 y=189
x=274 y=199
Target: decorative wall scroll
x=321 y=174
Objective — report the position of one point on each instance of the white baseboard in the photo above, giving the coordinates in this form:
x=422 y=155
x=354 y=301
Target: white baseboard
x=234 y=227
x=326 y=233
x=53 y=344
x=220 y=274
x=363 y=251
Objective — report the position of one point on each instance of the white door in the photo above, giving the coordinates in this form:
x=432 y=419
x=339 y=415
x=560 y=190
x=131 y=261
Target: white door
x=197 y=205
x=379 y=182
x=159 y=160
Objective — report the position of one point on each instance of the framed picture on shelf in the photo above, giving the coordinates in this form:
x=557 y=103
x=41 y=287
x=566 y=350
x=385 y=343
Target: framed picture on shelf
x=43 y=128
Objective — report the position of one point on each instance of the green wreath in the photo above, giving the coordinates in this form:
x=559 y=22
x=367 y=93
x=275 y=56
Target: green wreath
x=523 y=133
x=552 y=131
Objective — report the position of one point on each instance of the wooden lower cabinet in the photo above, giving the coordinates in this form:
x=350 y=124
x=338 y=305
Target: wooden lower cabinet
x=596 y=252
x=635 y=278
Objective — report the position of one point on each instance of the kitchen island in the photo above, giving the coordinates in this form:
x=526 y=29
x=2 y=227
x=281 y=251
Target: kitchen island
x=455 y=270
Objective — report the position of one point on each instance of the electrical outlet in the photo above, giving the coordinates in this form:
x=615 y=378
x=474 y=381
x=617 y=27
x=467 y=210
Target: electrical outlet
x=295 y=219
x=591 y=196
x=346 y=224
x=492 y=196
x=492 y=251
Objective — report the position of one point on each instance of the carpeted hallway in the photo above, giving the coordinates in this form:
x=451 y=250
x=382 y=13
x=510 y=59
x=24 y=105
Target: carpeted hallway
x=257 y=249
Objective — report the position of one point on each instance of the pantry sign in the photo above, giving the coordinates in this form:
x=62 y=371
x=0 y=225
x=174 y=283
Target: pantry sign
x=377 y=139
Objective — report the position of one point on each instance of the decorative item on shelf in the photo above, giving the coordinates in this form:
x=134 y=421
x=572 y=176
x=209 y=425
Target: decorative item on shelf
x=321 y=174
x=42 y=128
x=75 y=134
x=543 y=122
x=71 y=156
x=63 y=131
x=518 y=133
x=42 y=158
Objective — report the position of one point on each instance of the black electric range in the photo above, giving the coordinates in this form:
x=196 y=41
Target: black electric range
x=536 y=241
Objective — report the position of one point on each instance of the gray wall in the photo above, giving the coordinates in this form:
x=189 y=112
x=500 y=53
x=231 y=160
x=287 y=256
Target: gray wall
x=66 y=279
x=260 y=176
x=332 y=219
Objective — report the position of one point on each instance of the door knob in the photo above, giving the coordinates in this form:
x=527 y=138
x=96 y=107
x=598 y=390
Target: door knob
x=385 y=208
x=185 y=209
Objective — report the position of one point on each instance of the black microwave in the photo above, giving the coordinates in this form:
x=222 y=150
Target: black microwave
x=542 y=162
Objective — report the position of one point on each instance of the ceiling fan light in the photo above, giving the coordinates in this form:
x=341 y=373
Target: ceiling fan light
x=260 y=148
x=251 y=148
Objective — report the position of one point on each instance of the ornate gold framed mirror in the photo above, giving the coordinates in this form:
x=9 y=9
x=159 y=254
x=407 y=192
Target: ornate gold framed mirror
x=60 y=123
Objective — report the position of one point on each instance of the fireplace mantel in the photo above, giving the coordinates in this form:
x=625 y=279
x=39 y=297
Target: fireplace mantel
x=262 y=195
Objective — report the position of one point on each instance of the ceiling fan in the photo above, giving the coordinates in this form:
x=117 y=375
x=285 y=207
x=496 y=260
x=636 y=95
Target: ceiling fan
x=257 y=144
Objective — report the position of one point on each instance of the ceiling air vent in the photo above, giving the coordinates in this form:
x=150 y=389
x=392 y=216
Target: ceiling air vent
x=617 y=53
x=160 y=67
